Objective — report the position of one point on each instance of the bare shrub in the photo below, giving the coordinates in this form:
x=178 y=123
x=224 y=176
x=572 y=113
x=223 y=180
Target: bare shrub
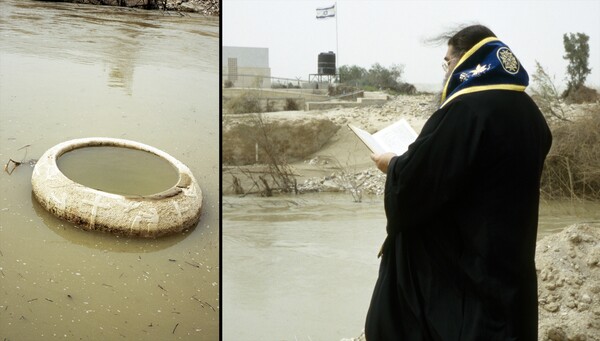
x=290 y=105
x=346 y=177
x=546 y=95
x=572 y=168
x=246 y=102
x=582 y=94
x=270 y=106
x=341 y=89
x=280 y=174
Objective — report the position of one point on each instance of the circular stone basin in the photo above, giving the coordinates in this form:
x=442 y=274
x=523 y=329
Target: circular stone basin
x=118 y=170
x=117 y=185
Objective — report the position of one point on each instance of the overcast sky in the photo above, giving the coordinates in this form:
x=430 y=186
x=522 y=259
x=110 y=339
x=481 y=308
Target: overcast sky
x=392 y=32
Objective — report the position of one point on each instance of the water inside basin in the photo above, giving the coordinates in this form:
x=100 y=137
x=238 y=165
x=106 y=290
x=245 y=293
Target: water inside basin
x=118 y=170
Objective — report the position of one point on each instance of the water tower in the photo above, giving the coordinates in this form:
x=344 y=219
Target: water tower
x=326 y=64
x=326 y=69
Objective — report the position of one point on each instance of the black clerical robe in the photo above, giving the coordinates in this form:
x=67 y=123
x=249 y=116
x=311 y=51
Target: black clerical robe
x=462 y=213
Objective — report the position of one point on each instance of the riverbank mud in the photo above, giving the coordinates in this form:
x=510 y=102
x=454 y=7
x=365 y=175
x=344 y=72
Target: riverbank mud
x=206 y=7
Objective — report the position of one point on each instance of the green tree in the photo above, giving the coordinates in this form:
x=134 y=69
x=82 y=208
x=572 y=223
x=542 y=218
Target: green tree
x=352 y=74
x=385 y=78
x=378 y=77
x=577 y=52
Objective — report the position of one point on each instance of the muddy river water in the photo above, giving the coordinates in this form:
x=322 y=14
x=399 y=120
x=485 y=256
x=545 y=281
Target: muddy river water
x=70 y=71
x=303 y=267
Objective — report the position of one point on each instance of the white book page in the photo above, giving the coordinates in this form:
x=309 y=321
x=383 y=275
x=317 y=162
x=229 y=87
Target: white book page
x=396 y=138
x=368 y=139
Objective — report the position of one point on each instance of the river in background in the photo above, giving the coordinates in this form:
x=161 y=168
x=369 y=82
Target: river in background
x=70 y=71
x=303 y=267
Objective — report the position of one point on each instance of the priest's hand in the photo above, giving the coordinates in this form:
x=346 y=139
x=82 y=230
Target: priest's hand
x=382 y=160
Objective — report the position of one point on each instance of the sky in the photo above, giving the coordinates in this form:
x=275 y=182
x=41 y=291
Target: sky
x=394 y=32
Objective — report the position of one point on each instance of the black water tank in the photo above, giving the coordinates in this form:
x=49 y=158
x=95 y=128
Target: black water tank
x=326 y=63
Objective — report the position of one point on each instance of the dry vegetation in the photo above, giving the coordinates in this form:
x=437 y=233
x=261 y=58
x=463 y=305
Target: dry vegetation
x=252 y=140
x=572 y=168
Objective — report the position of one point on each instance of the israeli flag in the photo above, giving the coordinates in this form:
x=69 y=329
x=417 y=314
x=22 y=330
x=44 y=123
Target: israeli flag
x=326 y=12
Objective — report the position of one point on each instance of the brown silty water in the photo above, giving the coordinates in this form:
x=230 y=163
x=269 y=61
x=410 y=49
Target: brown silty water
x=303 y=267
x=70 y=71
x=118 y=170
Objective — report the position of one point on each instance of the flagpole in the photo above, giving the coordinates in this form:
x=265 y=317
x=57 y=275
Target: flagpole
x=337 y=52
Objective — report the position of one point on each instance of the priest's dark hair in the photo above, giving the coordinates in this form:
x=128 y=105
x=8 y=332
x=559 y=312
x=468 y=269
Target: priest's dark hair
x=463 y=40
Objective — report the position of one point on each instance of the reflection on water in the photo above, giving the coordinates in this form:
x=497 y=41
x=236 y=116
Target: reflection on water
x=304 y=267
x=71 y=71
x=121 y=39
x=117 y=170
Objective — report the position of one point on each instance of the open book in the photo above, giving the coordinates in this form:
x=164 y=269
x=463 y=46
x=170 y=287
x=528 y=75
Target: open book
x=394 y=138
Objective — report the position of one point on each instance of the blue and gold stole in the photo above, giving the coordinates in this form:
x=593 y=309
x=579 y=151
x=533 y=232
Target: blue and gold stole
x=489 y=65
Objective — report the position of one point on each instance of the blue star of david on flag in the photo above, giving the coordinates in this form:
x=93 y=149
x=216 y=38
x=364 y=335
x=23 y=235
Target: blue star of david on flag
x=326 y=12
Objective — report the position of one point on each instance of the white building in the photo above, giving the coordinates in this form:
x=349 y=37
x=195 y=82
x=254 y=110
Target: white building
x=246 y=66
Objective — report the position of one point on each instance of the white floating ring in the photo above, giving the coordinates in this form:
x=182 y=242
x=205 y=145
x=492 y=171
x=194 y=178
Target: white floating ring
x=167 y=212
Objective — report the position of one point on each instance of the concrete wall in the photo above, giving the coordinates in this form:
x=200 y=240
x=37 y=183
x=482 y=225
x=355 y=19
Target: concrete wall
x=248 y=77
x=276 y=93
x=252 y=66
x=332 y=105
x=251 y=57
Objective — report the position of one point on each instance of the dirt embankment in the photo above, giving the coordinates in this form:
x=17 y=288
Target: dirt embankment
x=568 y=266
x=206 y=7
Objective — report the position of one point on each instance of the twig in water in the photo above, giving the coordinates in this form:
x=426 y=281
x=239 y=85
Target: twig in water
x=175 y=328
x=31 y=300
x=203 y=303
x=160 y=286
x=196 y=265
x=15 y=165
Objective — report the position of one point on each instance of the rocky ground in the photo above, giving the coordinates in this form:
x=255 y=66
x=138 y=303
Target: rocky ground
x=568 y=266
x=206 y=7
